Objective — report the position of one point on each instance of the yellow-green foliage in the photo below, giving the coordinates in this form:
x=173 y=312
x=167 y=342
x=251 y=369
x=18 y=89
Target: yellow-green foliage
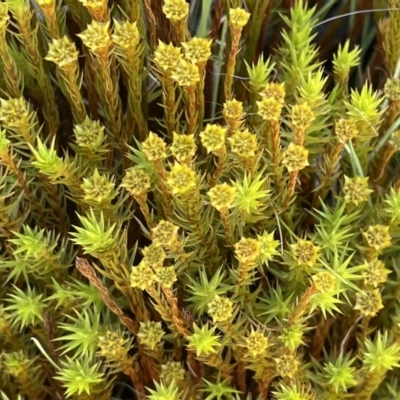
x=171 y=230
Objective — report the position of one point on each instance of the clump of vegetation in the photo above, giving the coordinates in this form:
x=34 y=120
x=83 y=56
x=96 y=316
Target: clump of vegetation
x=185 y=216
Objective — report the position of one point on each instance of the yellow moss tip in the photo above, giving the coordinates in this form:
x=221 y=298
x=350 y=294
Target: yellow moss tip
x=324 y=282
x=62 y=52
x=238 y=18
x=244 y=144
x=154 y=148
x=287 y=365
x=136 y=182
x=295 y=158
x=97 y=36
x=142 y=276
x=213 y=138
x=247 y=250
x=257 y=344
x=305 y=252
x=345 y=130
x=233 y=110
x=181 y=179
x=167 y=56
x=176 y=10
x=126 y=34
x=222 y=196
x=154 y=256
x=269 y=109
x=183 y=147
x=302 y=116
x=220 y=309
x=197 y=50
x=274 y=91
x=166 y=277
x=378 y=237
x=165 y=234
x=356 y=190
x=14 y=113
x=368 y=302
x=186 y=74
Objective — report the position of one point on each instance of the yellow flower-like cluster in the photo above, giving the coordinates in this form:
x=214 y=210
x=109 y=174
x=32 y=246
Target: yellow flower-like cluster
x=154 y=256
x=395 y=140
x=181 y=179
x=268 y=246
x=378 y=237
x=97 y=37
x=62 y=52
x=244 y=144
x=324 y=282
x=186 y=74
x=369 y=302
x=345 y=130
x=14 y=113
x=392 y=89
x=270 y=109
x=166 y=276
x=302 y=116
x=151 y=333
x=136 y=182
x=165 y=234
x=89 y=134
x=274 y=91
x=375 y=274
x=197 y=50
x=233 y=113
x=126 y=34
x=142 y=276
x=247 y=250
x=220 y=309
x=183 y=147
x=257 y=344
x=167 y=56
x=176 y=10
x=222 y=196
x=114 y=347
x=305 y=252
x=356 y=190
x=172 y=371
x=238 y=18
x=154 y=148
x=213 y=138
x=97 y=188
x=287 y=365
x=295 y=158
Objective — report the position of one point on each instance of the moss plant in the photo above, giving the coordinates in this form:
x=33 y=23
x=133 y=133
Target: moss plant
x=189 y=213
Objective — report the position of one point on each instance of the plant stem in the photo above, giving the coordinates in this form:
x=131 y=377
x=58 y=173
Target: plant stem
x=191 y=110
x=11 y=74
x=291 y=188
x=71 y=90
x=222 y=158
x=302 y=306
x=276 y=153
x=9 y=162
x=142 y=201
x=152 y=23
x=227 y=225
x=169 y=101
x=231 y=63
